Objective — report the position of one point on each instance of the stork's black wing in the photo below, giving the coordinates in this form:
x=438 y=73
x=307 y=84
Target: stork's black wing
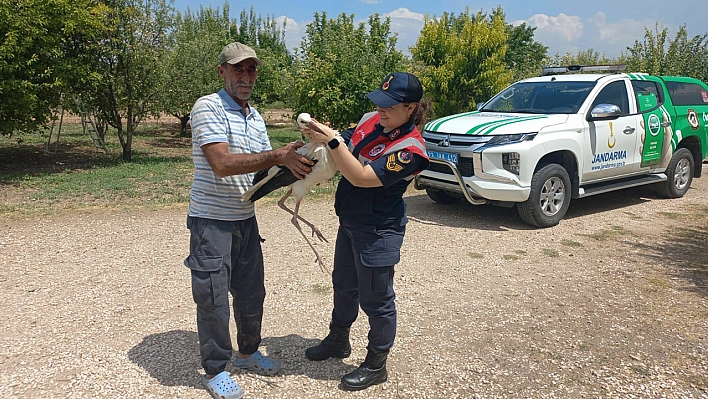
x=283 y=178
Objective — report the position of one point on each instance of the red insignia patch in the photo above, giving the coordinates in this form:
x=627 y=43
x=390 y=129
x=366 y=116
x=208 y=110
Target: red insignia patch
x=378 y=149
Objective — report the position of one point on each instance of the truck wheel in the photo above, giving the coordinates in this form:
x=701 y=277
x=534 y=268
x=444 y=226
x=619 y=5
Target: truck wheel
x=549 y=197
x=679 y=173
x=441 y=197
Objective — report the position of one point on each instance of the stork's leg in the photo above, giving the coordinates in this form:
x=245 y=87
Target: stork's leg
x=281 y=204
x=315 y=230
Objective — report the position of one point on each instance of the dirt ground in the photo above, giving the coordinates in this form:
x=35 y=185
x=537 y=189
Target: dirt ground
x=610 y=303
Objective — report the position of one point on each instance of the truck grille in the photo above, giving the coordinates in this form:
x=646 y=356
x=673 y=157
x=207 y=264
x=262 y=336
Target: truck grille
x=464 y=166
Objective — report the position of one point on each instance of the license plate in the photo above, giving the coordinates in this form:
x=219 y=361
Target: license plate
x=445 y=156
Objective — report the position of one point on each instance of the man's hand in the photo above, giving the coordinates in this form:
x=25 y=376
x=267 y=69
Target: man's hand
x=299 y=165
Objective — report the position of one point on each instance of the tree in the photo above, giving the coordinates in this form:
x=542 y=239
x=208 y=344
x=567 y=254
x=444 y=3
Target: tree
x=524 y=57
x=461 y=59
x=681 y=56
x=43 y=50
x=197 y=42
x=275 y=79
x=192 y=61
x=584 y=57
x=337 y=64
x=134 y=53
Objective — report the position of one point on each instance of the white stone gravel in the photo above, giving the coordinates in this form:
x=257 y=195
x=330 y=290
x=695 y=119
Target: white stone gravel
x=97 y=304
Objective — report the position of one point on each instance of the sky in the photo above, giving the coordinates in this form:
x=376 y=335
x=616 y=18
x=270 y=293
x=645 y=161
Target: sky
x=607 y=26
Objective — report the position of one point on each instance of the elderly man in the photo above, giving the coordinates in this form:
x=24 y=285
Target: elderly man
x=229 y=143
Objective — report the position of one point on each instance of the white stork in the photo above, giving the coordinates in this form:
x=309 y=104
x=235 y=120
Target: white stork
x=268 y=180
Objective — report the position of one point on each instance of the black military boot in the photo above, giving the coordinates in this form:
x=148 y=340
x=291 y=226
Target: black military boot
x=336 y=344
x=371 y=372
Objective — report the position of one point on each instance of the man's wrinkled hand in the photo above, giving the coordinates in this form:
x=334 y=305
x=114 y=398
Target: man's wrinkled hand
x=299 y=165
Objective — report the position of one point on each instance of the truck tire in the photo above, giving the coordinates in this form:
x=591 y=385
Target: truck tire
x=679 y=173
x=441 y=197
x=549 y=197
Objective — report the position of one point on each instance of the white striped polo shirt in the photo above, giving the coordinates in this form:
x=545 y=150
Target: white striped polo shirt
x=217 y=118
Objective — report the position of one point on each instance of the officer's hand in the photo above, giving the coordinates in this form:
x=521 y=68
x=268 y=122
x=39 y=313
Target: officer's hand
x=320 y=132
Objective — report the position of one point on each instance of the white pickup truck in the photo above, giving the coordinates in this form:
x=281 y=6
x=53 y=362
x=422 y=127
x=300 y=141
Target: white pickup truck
x=545 y=140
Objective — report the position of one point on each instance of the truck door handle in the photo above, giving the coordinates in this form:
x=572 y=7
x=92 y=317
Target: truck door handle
x=666 y=124
x=629 y=130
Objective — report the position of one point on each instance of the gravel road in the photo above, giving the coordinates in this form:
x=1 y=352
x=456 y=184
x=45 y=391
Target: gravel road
x=613 y=302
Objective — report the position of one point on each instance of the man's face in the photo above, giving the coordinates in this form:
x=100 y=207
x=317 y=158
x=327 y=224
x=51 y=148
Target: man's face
x=239 y=79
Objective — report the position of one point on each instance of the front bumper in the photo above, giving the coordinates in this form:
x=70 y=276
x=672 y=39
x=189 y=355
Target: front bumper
x=475 y=189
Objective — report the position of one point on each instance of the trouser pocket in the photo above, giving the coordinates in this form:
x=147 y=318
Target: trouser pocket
x=210 y=284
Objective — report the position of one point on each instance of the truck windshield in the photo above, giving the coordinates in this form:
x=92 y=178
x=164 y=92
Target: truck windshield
x=540 y=98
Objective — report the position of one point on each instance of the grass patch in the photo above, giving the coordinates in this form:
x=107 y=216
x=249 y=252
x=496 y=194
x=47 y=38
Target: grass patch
x=571 y=243
x=608 y=234
x=640 y=370
x=520 y=252
x=657 y=282
x=475 y=255
x=671 y=215
x=551 y=253
x=79 y=175
x=510 y=257
x=699 y=211
x=318 y=288
x=633 y=216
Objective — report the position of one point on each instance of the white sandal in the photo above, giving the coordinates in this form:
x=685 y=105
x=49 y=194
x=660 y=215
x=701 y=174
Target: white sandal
x=221 y=386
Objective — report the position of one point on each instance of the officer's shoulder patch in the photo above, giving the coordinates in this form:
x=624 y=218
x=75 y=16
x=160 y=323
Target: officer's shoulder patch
x=404 y=156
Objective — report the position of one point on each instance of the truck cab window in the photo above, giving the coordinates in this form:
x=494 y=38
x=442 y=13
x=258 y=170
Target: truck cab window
x=614 y=93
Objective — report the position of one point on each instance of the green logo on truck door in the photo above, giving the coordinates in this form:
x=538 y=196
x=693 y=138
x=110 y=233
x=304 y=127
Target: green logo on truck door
x=652 y=137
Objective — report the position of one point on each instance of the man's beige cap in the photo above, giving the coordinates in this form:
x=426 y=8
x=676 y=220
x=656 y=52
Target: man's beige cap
x=237 y=52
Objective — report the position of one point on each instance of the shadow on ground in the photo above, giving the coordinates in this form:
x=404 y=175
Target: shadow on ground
x=172 y=358
x=682 y=250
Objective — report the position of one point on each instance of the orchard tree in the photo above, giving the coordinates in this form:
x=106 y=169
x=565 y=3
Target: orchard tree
x=44 y=47
x=584 y=57
x=198 y=40
x=657 y=55
x=461 y=59
x=338 y=63
x=135 y=51
x=191 y=70
x=267 y=38
x=525 y=57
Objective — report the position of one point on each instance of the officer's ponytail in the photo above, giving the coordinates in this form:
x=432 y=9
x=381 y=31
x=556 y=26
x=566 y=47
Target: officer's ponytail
x=420 y=113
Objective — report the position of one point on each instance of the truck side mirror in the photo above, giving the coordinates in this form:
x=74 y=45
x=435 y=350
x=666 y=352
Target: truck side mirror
x=604 y=112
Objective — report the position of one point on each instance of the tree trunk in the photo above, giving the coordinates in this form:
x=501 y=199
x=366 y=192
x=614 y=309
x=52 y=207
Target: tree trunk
x=129 y=128
x=183 y=125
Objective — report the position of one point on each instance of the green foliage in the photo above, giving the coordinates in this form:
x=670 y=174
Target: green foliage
x=524 y=56
x=461 y=59
x=584 y=57
x=338 y=64
x=198 y=39
x=191 y=65
x=131 y=65
x=43 y=44
x=681 y=56
x=264 y=35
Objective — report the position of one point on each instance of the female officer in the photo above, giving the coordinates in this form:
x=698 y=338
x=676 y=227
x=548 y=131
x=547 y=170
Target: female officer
x=381 y=155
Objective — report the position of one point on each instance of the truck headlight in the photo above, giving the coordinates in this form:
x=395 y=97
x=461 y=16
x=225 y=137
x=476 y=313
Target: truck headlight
x=511 y=138
x=511 y=162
